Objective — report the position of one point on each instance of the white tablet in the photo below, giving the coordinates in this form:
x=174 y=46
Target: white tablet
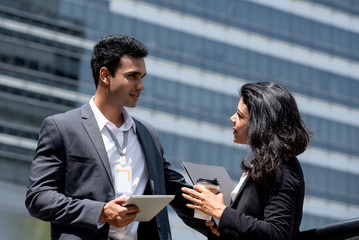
x=150 y=205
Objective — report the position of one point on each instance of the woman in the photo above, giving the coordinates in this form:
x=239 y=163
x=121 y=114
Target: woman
x=267 y=202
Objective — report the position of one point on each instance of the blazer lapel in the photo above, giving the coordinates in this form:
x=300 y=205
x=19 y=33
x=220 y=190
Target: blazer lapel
x=240 y=192
x=91 y=126
x=144 y=137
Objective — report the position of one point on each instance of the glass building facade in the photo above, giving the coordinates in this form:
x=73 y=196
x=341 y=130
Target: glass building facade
x=200 y=53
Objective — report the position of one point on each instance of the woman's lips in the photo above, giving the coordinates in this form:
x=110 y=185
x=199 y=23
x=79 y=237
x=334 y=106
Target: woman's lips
x=234 y=131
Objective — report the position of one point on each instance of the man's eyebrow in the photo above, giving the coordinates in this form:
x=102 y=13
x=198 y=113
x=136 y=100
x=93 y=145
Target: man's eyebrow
x=136 y=72
x=133 y=72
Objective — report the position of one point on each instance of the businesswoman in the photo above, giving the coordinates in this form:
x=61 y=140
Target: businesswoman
x=267 y=202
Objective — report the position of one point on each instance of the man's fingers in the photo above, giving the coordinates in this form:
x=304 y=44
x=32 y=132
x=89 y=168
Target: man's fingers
x=132 y=209
x=126 y=217
x=120 y=200
x=122 y=222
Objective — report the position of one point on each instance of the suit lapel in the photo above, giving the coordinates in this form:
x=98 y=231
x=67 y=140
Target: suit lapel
x=240 y=192
x=91 y=126
x=144 y=137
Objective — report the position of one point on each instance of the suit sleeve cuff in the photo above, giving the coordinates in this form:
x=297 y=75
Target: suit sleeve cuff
x=100 y=224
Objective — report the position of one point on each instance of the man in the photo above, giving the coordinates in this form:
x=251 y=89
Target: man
x=91 y=159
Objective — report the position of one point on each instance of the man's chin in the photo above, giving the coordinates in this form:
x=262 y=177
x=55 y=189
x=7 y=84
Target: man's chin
x=133 y=105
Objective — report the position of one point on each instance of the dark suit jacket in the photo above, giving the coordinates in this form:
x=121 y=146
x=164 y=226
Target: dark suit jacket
x=260 y=212
x=70 y=178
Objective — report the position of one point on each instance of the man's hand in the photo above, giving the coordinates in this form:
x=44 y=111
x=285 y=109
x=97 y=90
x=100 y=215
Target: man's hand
x=117 y=215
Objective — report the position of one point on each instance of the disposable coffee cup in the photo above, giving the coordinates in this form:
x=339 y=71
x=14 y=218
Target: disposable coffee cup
x=213 y=186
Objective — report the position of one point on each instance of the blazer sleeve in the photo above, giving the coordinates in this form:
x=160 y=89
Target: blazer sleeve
x=278 y=213
x=174 y=181
x=45 y=198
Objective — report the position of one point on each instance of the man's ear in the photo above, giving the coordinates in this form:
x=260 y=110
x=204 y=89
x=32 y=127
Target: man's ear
x=104 y=76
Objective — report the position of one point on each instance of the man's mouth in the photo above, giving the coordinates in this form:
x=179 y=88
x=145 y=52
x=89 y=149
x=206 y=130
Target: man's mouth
x=135 y=95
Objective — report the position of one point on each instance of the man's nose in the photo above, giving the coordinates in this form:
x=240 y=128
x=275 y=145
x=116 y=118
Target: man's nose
x=140 y=85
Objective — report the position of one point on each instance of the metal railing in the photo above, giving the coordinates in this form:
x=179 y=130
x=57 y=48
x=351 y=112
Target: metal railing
x=338 y=231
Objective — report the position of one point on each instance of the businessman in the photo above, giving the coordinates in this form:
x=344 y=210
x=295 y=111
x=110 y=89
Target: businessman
x=91 y=159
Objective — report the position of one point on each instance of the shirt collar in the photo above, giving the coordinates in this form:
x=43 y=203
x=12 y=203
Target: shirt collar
x=102 y=120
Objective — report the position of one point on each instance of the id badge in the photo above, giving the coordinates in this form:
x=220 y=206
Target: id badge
x=123 y=178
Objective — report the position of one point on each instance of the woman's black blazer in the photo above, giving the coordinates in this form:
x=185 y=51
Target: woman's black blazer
x=267 y=212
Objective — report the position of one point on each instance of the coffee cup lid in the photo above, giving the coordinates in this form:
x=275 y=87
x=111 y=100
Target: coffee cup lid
x=210 y=181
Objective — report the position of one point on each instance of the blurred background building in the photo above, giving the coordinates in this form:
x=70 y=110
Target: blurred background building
x=201 y=52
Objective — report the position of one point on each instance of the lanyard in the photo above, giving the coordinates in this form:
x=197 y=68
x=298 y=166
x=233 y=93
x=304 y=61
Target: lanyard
x=124 y=145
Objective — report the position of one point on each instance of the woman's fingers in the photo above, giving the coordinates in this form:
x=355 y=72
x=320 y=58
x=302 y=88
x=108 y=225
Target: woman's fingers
x=190 y=191
x=209 y=223
x=199 y=188
x=214 y=230
x=192 y=199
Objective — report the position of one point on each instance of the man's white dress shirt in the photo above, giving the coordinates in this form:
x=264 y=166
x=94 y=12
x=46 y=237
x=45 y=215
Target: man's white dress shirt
x=134 y=157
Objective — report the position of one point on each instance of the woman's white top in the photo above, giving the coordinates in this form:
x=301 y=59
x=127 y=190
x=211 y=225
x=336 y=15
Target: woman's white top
x=236 y=189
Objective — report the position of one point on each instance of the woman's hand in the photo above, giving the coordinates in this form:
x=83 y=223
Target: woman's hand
x=205 y=201
x=214 y=230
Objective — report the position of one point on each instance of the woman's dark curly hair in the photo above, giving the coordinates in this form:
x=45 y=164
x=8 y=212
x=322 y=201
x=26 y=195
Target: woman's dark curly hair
x=275 y=128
